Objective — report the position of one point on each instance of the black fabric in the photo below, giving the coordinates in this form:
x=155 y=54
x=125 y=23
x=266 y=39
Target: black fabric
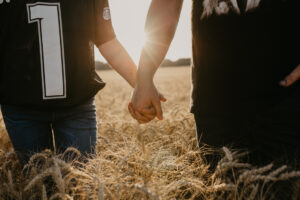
x=239 y=59
x=271 y=135
x=242 y=5
x=238 y=62
x=20 y=69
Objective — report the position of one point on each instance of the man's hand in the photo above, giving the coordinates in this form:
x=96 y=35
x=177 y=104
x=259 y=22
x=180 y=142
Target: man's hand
x=145 y=103
x=291 y=78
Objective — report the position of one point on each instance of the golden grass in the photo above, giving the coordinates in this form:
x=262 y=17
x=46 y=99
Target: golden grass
x=159 y=160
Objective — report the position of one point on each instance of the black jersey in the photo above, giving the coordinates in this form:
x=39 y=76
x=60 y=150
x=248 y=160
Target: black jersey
x=47 y=51
x=240 y=57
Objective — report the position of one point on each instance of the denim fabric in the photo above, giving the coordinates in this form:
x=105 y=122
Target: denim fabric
x=31 y=131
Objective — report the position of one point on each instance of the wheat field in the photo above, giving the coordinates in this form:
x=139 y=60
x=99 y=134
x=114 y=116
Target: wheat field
x=159 y=160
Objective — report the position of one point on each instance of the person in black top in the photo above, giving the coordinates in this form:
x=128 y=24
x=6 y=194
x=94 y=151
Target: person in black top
x=244 y=73
x=47 y=71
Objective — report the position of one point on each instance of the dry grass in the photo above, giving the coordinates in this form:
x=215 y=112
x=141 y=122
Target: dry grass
x=159 y=160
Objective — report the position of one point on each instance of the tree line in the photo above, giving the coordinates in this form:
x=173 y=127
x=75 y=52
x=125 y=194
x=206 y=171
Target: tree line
x=166 y=63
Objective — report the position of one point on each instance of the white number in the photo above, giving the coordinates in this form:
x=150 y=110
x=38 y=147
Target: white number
x=48 y=17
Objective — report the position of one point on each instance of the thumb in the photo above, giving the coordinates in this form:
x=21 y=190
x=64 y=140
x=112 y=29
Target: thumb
x=162 y=98
x=158 y=109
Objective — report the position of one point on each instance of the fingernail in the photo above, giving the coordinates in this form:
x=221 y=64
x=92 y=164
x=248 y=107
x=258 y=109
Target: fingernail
x=283 y=82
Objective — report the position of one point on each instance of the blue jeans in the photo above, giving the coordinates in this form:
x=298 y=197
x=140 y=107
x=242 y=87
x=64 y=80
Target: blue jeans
x=31 y=131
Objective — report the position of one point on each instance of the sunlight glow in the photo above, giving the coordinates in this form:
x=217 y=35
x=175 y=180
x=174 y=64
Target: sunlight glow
x=128 y=19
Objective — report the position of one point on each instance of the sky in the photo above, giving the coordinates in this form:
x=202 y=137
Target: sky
x=128 y=17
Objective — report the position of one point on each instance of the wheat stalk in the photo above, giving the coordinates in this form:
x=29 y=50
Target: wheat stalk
x=164 y=163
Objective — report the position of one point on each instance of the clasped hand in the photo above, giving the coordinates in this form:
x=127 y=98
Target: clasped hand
x=145 y=103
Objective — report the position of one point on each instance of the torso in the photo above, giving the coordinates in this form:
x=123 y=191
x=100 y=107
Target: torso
x=47 y=56
x=239 y=59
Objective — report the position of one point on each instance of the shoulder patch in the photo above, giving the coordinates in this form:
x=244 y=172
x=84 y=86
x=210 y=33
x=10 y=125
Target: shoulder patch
x=106 y=13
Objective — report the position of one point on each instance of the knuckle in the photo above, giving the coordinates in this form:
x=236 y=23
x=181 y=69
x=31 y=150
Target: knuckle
x=139 y=110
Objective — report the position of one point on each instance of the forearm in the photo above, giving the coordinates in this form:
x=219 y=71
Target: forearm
x=119 y=59
x=161 y=24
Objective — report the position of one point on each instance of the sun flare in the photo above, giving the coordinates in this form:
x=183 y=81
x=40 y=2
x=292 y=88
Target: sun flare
x=129 y=17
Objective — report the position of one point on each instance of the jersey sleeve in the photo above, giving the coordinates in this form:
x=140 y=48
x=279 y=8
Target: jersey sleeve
x=103 y=27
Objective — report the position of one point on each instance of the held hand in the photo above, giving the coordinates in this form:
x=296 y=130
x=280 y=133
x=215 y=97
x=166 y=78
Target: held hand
x=145 y=103
x=147 y=114
x=291 y=78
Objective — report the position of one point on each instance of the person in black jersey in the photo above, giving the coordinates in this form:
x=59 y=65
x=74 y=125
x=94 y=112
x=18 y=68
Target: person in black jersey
x=244 y=73
x=47 y=71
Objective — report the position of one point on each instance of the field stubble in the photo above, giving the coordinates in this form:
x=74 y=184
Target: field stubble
x=159 y=160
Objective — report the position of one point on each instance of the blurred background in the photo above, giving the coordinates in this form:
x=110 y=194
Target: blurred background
x=128 y=19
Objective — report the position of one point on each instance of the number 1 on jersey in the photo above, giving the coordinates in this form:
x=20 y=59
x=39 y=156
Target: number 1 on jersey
x=48 y=18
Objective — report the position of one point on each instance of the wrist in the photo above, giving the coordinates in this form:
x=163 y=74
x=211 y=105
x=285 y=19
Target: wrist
x=145 y=76
x=144 y=84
